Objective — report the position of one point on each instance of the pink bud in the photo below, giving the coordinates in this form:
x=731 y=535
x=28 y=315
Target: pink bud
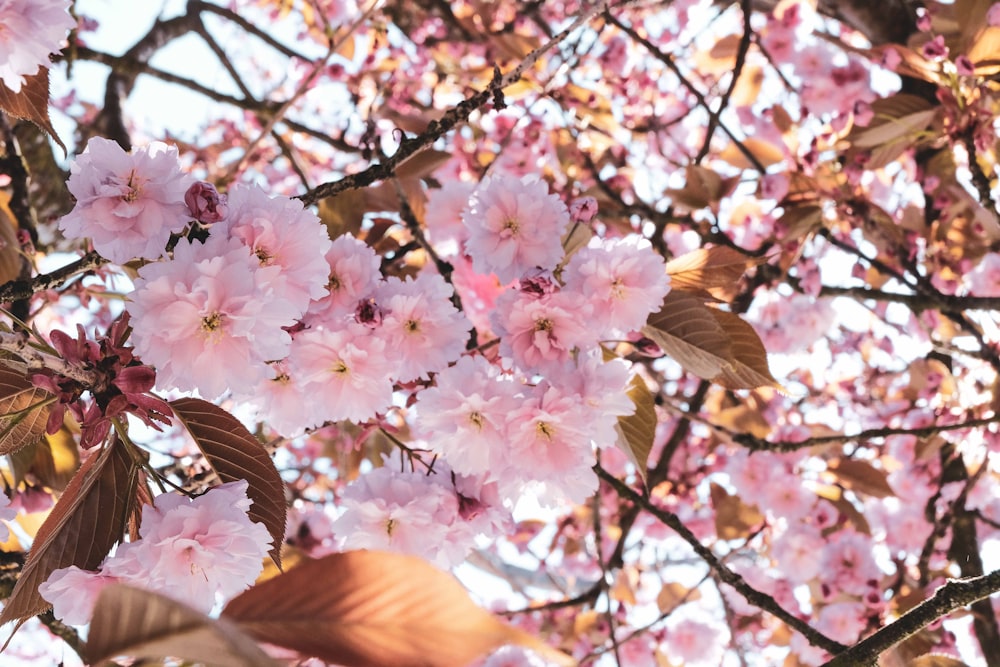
x=205 y=203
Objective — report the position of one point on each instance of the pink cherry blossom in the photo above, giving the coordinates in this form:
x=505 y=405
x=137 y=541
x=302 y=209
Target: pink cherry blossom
x=205 y=203
x=623 y=279
x=343 y=372
x=422 y=329
x=542 y=332
x=550 y=445
x=842 y=621
x=463 y=416
x=73 y=592
x=30 y=30
x=444 y=216
x=280 y=233
x=404 y=512
x=352 y=275
x=207 y=320
x=514 y=226
x=128 y=204
x=193 y=550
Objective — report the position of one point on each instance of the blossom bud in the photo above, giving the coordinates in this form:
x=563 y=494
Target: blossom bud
x=205 y=203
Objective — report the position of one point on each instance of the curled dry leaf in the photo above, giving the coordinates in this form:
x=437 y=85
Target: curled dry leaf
x=133 y=622
x=374 y=609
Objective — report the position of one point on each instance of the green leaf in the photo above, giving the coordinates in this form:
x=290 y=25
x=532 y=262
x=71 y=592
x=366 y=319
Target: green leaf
x=80 y=530
x=133 y=622
x=234 y=454
x=374 y=609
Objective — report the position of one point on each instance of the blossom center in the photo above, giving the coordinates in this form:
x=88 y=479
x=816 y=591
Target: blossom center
x=412 y=326
x=477 y=419
x=134 y=188
x=544 y=324
x=511 y=226
x=333 y=284
x=545 y=430
x=390 y=525
x=339 y=368
x=211 y=327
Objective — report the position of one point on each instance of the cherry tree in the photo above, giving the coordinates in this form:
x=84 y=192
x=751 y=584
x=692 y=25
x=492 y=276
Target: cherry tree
x=500 y=333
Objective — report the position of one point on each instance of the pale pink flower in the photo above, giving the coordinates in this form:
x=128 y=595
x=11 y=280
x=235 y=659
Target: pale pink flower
x=463 y=416
x=404 y=512
x=993 y=15
x=984 y=280
x=842 y=621
x=542 y=332
x=444 y=216
x=514 y=656
x=796 y=553
x=205 y=203
x=207 y=319
x=281 y=403
x=73 y=592
x=7 y=513
x=193 y=550
x=785 y=496
x=847 y=563
x=128 y=204
x=602 y=388
x=30 y=30
x=692 y=642
x=514 y=226
x=623 y=279
x=280 y=233
x=549 y=440
x=352 y=275
x=421 y=327
x=344 y=372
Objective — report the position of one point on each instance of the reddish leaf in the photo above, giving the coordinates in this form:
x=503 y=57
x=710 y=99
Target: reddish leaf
x=707 y=268
x=748 y=368
x=686 y=329
x=636 y=431
x=20 y=423
x=137 y=623
x=82 y=527
x=235 y=454
x=373 y=609
x=32 y=103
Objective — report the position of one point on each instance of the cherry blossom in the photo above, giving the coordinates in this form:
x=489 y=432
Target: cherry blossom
x=128 y=204
x=514 y=226
x=30 y=31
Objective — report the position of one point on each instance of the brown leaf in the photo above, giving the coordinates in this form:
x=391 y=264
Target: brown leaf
x=53 y=460
x=936 y=660
x=22 y=417
x=636 y=431
x=765 y=152
x=80 y=530
x=674 y=594
x=709 y=268
x=235 y=454
x=861 y=476
x=687 y=330
x=373 y=609
x=133 y=622
x=343 y=213
x=31 y=103
x=747 y=368
x=734 y=519
x=422 y=164
x=12 y=259
x=704 y=188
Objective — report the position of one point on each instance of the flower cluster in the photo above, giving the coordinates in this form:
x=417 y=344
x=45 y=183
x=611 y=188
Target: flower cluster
x=436 y=515
x=191 y=550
